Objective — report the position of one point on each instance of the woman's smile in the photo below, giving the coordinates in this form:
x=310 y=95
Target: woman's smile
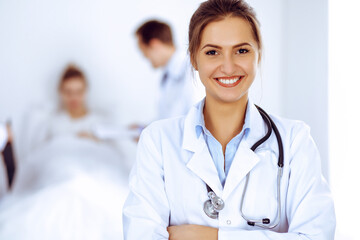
x=229 y=82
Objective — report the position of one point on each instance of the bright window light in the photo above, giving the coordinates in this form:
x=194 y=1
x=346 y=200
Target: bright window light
x=344 y=114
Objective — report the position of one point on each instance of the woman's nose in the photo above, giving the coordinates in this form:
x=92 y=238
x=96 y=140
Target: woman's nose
x=228 y=66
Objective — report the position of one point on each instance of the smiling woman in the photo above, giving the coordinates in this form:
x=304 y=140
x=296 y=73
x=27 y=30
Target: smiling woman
x=226 y=61
x=219 y=172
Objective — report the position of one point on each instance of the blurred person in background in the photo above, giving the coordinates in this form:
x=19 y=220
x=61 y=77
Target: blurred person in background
x=72 y=183
x=73 y=117
x=177 y=89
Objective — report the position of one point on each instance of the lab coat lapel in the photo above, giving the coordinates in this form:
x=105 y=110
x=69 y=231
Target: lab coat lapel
x=244 y=161
x=200 y=162
x=203 y=166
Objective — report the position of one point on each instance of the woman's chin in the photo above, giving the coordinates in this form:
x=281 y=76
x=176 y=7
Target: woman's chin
x=230 y=97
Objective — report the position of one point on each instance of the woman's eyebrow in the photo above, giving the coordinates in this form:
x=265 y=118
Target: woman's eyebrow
x=211 y=45
x=242 y=44
x=218 y=47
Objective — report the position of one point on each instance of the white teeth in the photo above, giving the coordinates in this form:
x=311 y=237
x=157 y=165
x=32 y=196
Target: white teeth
x=228 y=81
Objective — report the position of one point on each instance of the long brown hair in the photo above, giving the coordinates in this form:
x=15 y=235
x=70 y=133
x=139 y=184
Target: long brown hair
x=216 y=10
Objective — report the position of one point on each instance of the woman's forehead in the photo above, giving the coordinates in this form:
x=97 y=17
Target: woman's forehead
x=227 y=32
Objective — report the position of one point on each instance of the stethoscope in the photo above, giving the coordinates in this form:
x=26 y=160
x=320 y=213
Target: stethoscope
x=215 y=204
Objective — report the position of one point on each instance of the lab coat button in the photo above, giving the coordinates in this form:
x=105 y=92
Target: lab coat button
x=228 y=222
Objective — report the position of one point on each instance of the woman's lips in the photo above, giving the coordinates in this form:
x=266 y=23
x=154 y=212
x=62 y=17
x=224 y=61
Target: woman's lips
x=229 y=81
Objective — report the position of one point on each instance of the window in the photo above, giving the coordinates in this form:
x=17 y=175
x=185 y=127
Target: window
x=344 y=114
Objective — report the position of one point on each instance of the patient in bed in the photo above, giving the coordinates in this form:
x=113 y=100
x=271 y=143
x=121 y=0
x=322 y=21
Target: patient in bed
x=73 y=116
x=72 y=184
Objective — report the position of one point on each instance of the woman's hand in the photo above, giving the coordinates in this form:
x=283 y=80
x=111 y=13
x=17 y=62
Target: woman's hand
x=192 y=232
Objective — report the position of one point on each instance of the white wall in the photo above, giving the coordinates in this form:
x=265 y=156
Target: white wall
x=267 y=89
x=305 y=68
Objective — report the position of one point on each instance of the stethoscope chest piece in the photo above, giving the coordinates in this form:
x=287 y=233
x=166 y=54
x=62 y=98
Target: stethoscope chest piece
x=213 y=205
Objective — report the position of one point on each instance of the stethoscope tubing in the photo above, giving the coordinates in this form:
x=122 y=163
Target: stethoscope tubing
x=262 y=222
x=259 y=222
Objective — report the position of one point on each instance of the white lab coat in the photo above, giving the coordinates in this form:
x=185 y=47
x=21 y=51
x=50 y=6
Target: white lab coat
x=167 y=183
x=179 y=92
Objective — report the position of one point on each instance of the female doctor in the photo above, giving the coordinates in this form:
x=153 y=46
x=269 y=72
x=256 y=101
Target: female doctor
x=227 y=170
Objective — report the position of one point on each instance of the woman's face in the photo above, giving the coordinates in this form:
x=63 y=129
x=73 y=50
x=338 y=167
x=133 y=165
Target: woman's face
x=227 y=59
x=73 y=94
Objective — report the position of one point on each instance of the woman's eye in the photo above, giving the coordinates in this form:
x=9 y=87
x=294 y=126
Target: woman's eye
x=211 y=52
x=243 y=50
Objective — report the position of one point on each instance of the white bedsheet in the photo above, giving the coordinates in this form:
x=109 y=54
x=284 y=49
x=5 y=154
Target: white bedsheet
x=70 y=188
